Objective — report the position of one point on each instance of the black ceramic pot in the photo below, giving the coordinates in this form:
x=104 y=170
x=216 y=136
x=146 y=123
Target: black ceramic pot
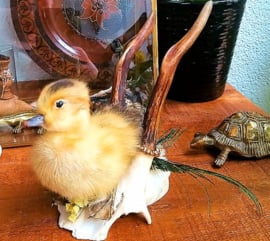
x=202 y=73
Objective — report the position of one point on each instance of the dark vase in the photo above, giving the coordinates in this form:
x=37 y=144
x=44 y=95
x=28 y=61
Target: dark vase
x=202 y=73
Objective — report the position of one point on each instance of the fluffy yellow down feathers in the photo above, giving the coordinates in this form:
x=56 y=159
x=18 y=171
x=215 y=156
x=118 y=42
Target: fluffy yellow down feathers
x=81 y=156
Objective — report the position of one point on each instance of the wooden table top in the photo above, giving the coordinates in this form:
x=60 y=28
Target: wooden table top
x=182 y=214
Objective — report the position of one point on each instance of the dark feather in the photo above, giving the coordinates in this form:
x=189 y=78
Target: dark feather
x=166 y=165
x=169 y=137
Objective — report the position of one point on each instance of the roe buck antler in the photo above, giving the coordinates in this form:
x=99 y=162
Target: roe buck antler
x=168 y=68
x=120 y=76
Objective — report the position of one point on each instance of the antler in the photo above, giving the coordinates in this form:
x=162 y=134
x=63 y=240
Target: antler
x=167 y=71
x=120 y=76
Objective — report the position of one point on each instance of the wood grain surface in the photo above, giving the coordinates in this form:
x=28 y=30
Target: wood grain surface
x=193 y=209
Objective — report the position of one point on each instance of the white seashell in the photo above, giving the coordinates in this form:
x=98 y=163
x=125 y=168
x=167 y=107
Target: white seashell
x=140 y=187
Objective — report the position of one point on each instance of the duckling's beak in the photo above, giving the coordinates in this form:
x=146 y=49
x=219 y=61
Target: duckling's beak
x=36 y=121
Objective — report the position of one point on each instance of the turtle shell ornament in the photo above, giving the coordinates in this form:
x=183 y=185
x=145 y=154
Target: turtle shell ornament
x=244 y=133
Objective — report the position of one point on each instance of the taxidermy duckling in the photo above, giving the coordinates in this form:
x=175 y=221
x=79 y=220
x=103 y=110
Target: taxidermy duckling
x=81 y=156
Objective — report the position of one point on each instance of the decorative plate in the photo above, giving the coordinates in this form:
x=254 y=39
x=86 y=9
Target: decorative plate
x=72 y=38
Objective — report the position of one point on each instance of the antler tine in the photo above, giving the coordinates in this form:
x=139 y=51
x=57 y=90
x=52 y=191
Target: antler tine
x=120 y=76
x=168 y=68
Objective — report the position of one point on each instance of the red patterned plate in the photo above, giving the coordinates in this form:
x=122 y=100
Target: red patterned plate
x=72 y=37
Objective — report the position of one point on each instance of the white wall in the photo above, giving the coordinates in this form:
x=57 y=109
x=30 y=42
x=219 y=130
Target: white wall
x=250 y=67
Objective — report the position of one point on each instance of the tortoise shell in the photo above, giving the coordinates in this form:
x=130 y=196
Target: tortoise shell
x=247 y=133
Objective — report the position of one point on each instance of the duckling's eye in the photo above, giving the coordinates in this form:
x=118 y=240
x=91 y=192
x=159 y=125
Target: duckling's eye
x=59 y=104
